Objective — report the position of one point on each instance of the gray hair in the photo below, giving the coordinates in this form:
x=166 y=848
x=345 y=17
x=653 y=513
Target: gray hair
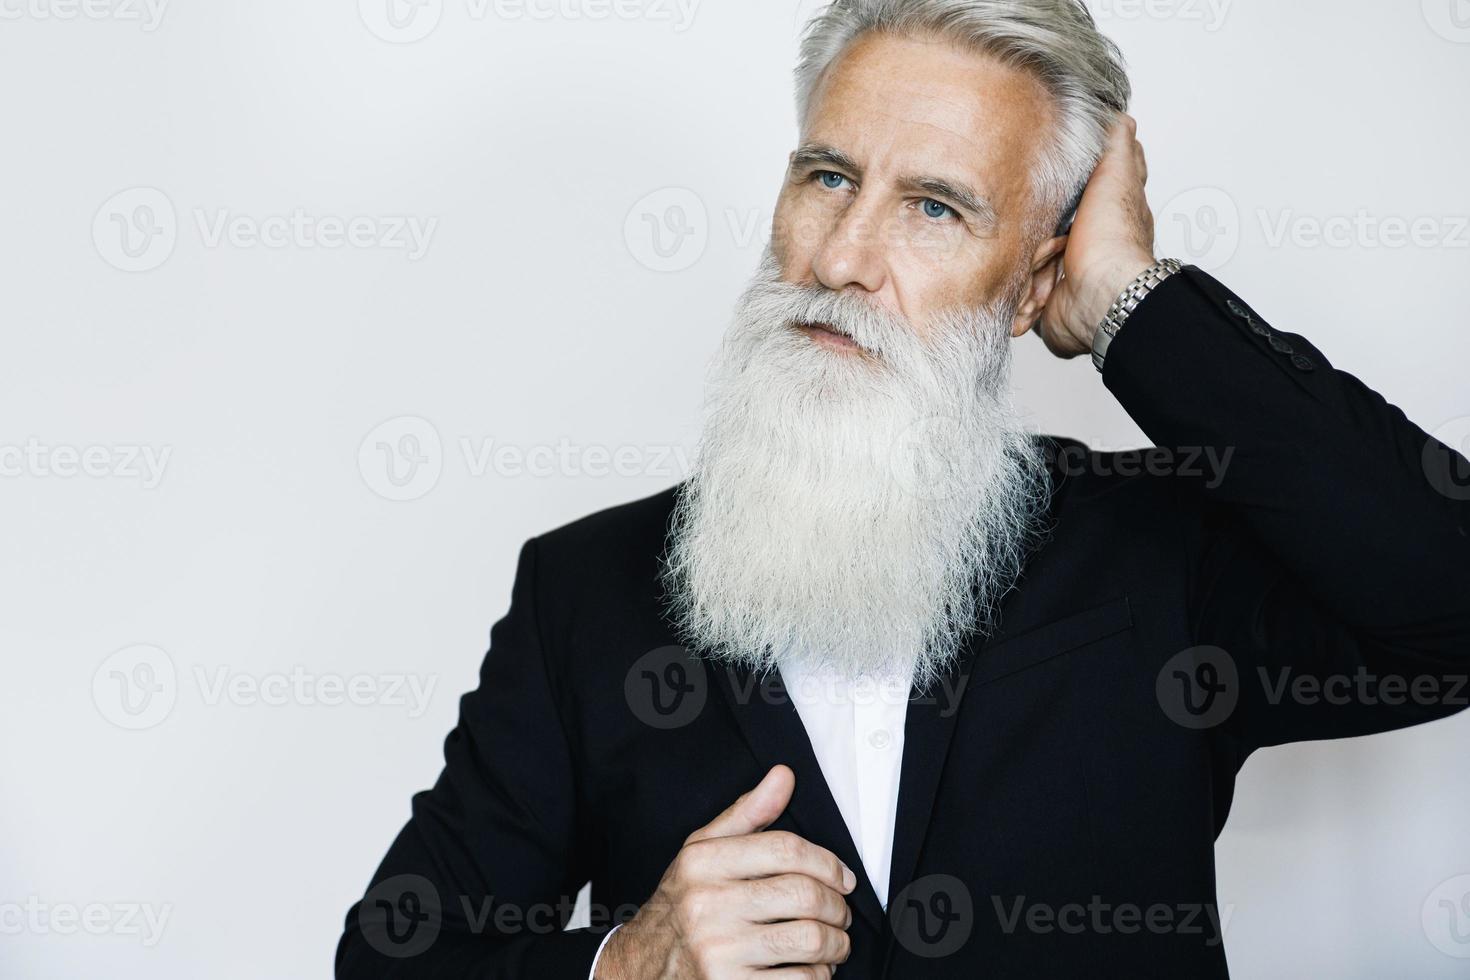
x=1056 y=40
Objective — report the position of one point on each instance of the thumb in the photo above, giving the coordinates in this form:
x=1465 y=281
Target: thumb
x=753 y=811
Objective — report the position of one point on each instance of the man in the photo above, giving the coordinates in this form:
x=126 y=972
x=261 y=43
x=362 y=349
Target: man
x=691 y=702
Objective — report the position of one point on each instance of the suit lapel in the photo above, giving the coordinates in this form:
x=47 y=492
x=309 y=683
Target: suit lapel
x=929 y=725
x=772 y=728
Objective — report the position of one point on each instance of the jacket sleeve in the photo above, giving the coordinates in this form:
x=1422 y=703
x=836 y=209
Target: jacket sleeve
x=1328 y=561
x=481 y=881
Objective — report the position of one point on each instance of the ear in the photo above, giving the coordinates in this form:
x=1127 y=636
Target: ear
x=1045 y=266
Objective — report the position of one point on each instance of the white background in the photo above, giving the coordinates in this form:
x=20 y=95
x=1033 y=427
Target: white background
x=531 y=135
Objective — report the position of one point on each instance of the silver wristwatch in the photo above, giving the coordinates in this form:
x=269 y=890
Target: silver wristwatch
x=1126 y=303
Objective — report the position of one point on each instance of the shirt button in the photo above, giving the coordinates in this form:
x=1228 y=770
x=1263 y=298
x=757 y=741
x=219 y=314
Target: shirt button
x=1303 y=363
x=880 y=739
x=1282 y=346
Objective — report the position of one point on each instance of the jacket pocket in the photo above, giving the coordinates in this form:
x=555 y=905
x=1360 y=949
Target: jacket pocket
x=1042 y=643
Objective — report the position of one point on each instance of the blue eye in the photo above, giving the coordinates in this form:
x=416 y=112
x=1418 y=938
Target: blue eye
x=934 y=209
x=830 y=180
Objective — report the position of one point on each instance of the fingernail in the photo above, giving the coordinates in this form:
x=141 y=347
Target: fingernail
x=848 y=878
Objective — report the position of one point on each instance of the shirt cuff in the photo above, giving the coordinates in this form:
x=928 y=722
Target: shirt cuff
x=593 y=974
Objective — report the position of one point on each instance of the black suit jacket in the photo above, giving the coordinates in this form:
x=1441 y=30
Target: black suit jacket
x=1062 y=791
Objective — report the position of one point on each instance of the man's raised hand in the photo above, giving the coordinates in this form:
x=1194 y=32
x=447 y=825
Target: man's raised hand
x=1111 y=242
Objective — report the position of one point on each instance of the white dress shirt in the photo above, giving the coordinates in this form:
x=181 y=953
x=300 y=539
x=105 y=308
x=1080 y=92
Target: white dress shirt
x=856 y=731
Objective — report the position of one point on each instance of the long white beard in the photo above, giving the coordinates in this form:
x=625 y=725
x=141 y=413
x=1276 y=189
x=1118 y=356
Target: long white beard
x=859 y=512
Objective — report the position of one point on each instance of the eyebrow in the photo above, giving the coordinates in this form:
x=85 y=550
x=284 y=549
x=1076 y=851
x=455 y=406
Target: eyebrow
x=962 y=195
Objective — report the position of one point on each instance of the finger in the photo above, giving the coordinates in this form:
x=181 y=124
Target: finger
x=815 y=971
x=1045 y=322
x=792 y=896
x=753 y=811
x=774 y=852
x=802 y=941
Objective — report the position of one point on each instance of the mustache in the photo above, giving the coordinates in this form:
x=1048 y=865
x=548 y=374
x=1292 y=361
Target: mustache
x=874 y=328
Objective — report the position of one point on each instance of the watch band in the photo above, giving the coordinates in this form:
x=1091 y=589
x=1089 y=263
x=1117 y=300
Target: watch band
x=1126 y=303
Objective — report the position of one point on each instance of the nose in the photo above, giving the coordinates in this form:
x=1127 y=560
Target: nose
x=851 y=254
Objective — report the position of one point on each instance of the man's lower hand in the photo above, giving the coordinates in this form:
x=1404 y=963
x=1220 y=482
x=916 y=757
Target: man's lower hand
x=738 y=899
